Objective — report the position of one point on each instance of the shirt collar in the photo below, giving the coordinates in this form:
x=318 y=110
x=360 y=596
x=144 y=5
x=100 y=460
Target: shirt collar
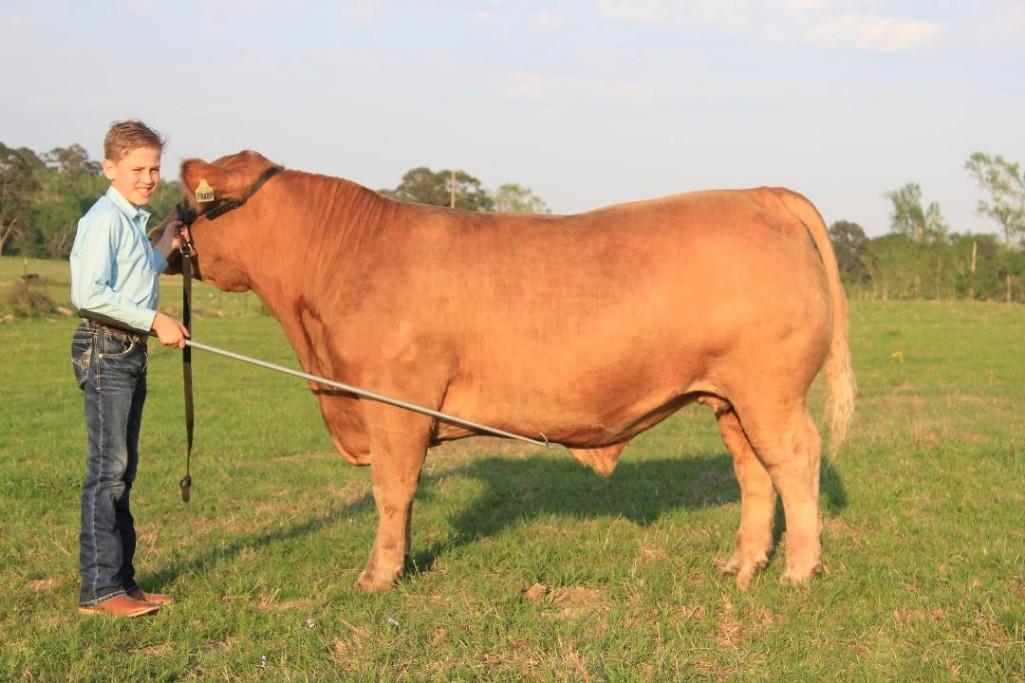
x=136 y=214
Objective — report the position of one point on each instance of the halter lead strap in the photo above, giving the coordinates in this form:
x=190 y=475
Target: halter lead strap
x=232 y=203
x=186 y=251
x=188 y=217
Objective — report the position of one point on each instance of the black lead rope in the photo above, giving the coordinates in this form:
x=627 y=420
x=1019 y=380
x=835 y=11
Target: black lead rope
x=187 y=216
x=186 y=252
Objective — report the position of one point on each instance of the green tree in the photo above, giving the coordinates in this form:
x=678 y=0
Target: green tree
x=514 y=197
x=43 y=196
x=1012 y=268
x=977 y=274
x=902 y=268
x=53 y=227
x=424 y=186
x=164 y=199
x=18 y=184
x=68 y=184
x=1005 y=183
x=849 y=243
x=908 y=217
x=72 y=160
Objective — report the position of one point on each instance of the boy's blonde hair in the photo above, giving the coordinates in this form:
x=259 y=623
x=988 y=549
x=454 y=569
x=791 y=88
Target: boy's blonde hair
x=124 y=136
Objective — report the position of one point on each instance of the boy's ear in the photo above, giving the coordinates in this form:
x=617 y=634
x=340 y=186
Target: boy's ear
x=109 y=169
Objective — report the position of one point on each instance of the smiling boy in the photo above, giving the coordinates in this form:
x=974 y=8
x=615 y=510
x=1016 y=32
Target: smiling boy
x=115 y=277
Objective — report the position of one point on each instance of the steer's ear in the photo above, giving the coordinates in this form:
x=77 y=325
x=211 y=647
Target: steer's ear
x=205 y=183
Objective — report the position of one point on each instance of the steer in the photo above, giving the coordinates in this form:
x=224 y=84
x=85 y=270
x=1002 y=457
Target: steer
x=587 y=329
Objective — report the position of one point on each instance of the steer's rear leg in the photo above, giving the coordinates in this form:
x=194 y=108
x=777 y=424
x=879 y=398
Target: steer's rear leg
x=785 y=440
x=757 y=501
x=398 y=445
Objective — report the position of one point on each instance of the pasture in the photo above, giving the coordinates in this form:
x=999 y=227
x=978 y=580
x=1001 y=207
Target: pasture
x=526 y=565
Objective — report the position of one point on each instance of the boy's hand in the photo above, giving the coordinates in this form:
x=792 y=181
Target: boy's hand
x=169 y=331
x=169 y=240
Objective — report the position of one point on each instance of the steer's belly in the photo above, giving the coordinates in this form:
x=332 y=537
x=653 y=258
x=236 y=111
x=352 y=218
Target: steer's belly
x=593 y=414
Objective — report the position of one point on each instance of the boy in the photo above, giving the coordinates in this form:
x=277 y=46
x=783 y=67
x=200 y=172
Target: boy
x=115 y=278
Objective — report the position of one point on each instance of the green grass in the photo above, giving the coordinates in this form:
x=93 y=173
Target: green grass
x=923 y=532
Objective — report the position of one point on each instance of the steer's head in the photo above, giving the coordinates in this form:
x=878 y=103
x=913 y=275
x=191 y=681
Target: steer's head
x=222 y=246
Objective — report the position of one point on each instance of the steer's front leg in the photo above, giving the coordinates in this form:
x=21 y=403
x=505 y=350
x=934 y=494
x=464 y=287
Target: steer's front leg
x=398 y=445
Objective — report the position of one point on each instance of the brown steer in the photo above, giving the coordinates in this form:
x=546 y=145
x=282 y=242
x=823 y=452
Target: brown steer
x=588 y=329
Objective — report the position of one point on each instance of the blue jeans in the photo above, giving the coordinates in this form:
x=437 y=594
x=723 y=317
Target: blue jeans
x=110 y=368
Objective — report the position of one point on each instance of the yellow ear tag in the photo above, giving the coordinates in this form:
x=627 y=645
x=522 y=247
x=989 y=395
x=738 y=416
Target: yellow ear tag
x=204 y=193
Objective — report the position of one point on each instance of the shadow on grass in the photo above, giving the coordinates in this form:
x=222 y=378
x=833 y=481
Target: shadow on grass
x=518 y=490
x=523 y=489
x=199 y=561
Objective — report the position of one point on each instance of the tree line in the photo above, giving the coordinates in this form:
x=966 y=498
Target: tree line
x=922 y=257
x=42 y=196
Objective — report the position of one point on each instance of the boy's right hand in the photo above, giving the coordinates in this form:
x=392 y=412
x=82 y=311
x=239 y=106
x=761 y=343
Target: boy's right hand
x=170 y=331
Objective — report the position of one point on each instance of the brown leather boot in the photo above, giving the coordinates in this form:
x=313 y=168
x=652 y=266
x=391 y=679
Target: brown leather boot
x=159 y=599
x=120 y=606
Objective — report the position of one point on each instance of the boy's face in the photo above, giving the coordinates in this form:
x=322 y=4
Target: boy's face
x=135 y=175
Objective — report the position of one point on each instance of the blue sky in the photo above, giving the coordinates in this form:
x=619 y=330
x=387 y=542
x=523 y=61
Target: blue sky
x=587 y=103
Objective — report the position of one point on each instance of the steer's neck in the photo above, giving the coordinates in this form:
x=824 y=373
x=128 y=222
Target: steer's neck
x=301 y=224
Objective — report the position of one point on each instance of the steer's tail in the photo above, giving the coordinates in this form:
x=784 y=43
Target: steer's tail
x=840 y=384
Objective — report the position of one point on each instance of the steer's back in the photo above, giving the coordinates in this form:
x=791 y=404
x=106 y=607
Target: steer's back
x=602 y=316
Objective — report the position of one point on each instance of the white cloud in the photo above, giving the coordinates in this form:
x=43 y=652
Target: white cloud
x=548 y=21
x=637 y=11
x=483 y=17
x=801 y=5
x=137 y=7
x=360 y=10
x=827 y=24
x=869 y=32
x=827 y=5
x=563 y=90
x=1007 y=24
x=21 y=22
x=19 y=33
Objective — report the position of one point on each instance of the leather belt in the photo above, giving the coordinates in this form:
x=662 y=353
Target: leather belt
x=138 y=338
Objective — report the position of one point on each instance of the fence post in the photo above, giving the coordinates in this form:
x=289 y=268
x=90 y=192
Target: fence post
x=975 y=253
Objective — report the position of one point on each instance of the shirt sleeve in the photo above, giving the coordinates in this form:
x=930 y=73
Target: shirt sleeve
x=93 y=263
x=159 y=261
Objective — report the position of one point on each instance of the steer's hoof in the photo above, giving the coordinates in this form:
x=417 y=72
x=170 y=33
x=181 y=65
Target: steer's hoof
x=743 y=566
x=372 y=584
x=797 y=576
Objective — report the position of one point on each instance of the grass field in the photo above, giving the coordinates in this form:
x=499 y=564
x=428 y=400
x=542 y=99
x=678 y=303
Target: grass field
x=924 y=529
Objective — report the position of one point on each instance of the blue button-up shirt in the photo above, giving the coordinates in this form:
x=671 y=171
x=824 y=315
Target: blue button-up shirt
x=114 y=270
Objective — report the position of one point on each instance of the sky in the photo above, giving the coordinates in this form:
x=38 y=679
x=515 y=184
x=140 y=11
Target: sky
x=587 y=103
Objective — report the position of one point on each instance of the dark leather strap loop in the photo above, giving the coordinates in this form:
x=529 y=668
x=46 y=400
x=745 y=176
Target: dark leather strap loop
x=232 y=203
x=186 y=482
x=188 y=217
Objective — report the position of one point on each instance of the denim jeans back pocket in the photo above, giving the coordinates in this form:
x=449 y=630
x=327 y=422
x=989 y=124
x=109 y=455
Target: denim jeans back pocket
x=81 y=356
